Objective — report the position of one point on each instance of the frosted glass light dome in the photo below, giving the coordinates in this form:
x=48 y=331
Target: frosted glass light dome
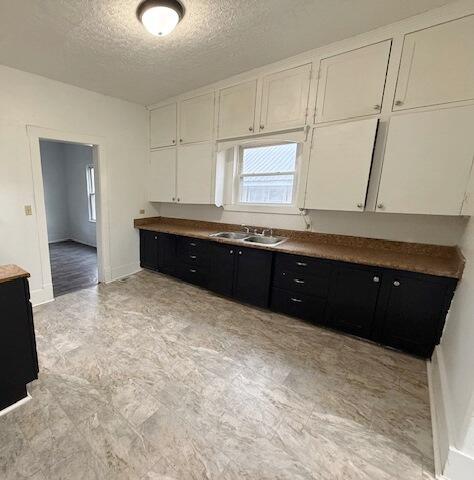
x=160 y=17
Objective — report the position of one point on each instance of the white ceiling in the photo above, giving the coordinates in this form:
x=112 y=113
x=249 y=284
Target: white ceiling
x=101 y=46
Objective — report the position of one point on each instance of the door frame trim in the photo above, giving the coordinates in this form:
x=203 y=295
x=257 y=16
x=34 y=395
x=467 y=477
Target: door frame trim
x=35 y=134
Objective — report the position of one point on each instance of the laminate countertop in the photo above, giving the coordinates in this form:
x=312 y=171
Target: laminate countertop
x=11 y=272
x=435 y=260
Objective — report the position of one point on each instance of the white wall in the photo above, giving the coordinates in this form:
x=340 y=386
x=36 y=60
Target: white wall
x=453 y=375
x=28 y=99
x=55 y=190
x=77 y=158
x=409 y=228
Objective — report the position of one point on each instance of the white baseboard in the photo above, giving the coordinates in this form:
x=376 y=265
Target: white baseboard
x=450 y=463
x=83 y=243
x=58 y=240
x=125 y=271
x=42 y=295
x=16 y=405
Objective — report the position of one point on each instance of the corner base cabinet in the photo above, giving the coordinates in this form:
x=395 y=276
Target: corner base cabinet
x=18 y=358
x=399 y=309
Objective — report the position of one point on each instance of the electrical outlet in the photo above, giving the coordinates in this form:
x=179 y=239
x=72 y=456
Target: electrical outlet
x=28 y=210
x=142 y=211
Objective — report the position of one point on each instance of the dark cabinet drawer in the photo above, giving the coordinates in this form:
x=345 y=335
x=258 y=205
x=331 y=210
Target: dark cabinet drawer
x=193 y=251
x=193 y=274
x=301 y=282
x=299 y=264
x=298 y=305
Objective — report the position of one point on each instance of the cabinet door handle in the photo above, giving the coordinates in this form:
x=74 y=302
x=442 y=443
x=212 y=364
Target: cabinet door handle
x=192 y=244
x=231 y=252
x=174 y=141
x=297 y=280
x=376 y=279
x=156 y=238
x=262 y=127
x=173 y=199
x=301 y=264
x=398 y=103
x=240 y=253
x=377 y=107
x=250 y=129
x=296 y=300
x=192 y=270
x=360 y=205
x=192 y=257
x=380 y=206
x=396 y=283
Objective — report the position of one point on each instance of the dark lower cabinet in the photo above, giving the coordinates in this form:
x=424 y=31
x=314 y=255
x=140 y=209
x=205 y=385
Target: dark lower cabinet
x=166 y=253
x=399 y=309
x=352 y=299
x=411 y=311
x=18 y=358
x=221 y=269
x=252 y=276
x=149 y=249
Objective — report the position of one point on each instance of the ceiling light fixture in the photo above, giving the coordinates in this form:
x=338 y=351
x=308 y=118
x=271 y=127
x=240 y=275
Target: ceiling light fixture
x=160 y=17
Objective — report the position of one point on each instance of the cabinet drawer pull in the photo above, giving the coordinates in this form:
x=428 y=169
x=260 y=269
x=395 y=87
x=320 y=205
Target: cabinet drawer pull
x=396 y=283
x=192 y=257
x=297 y=280
x=231 y=252
x=240 y=253
x=301 y=264
x=376 y=279
x=192 y=244
x=296 y=300
x=192 y=270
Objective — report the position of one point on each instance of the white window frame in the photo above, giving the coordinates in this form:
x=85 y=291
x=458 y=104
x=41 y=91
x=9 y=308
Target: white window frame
x=278 y=208
x=91 y=193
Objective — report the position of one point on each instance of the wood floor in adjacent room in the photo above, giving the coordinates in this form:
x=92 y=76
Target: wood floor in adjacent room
x=149 y=378
x=73 y=266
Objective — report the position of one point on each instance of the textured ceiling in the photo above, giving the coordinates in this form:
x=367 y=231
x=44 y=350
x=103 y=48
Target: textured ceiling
x=100 y=45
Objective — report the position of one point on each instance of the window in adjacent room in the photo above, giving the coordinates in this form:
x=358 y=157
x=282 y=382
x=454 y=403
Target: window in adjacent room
x=266 y=175
x=91 y=192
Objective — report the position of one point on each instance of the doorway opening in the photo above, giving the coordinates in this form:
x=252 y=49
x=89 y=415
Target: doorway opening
x=69 y=184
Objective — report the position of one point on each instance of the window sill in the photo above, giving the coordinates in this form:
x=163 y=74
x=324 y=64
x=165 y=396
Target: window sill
x=275 y=209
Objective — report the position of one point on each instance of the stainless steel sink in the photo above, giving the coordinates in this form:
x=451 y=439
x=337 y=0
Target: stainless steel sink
x=230 y=235
x=265 y=240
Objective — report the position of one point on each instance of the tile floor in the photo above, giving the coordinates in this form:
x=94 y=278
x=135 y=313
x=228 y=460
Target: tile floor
x=149 y=378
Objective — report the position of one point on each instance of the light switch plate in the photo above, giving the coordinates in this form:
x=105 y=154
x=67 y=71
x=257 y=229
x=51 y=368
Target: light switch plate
x=28 y=210
x=142 y=211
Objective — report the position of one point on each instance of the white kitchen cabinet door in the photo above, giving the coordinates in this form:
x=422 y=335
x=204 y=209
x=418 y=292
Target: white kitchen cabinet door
x=163 y=126
x=162 y=175
x=339 y=167
x=196 y=119
x=427 y=162
x=195 y=168
x=437 y=65
x=237 y=110
x=285 y=99
x=352 y=84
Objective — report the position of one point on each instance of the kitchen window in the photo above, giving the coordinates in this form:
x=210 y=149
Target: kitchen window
x=266 y=175
x=90 y=179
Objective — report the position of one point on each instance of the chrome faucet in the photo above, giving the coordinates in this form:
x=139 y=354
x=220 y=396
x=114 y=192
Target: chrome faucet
x=247 y=229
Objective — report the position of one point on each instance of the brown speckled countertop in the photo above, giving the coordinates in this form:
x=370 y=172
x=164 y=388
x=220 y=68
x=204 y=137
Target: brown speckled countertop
x=11 y=272
x=413 y=257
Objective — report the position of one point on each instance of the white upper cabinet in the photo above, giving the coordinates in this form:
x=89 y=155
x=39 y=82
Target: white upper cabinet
x=237 y=110
x=427 y=162
x=163 y=126
x=195 y=172
x=162 y=175
x=352 y=84
x=339 y=168
x=196 y=119
x=285 y=99
x=437 y=65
